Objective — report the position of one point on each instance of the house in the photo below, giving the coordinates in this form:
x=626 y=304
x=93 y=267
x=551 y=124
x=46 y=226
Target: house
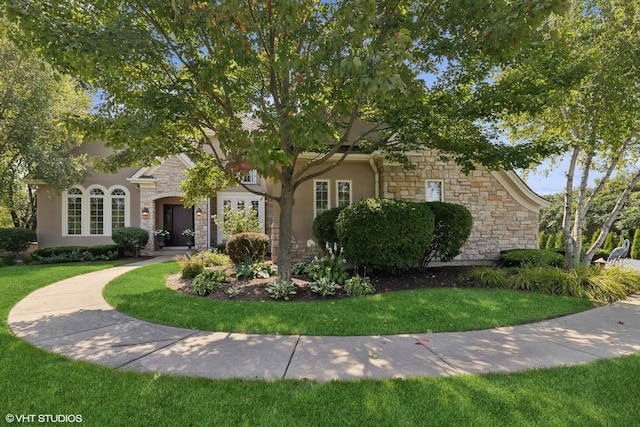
x=505 y=211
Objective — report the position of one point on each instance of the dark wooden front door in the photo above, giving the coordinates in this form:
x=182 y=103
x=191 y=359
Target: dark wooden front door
x=177 y=218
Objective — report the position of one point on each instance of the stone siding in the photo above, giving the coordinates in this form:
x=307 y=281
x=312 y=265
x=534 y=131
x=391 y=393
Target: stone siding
x=499 y=221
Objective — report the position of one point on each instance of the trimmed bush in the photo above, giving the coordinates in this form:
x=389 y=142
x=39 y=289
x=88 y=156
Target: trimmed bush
x=62 y=254
x=452 y=229
x=130 y=239
x=531 y=257
x=253 y=245
x=383 y=234
x=190 y=267
x=324 y=227
x=14 y=240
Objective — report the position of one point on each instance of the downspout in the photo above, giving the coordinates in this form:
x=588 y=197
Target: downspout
x=208 y=222
x=376 y=177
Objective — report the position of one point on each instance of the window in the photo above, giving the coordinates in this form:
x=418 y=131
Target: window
x=96 y=206
x=343 y=193
x=321 y=196
x=118 y=203
x=250 y=178
x=434 y=191
x=95 y=211
x=74 y=212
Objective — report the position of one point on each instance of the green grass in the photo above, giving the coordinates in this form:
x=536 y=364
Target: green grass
x=35 y=382
x=143 y=294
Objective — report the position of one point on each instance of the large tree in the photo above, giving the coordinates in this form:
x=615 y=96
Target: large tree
x=595 y=119
x=306 y=71
x=37 y=108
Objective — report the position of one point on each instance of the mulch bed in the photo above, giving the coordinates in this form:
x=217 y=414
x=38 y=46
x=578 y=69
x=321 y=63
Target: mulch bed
x=255 y=290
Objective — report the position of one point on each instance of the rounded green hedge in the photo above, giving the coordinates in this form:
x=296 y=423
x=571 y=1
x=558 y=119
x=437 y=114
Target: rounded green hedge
x=253 y=245
x=130 y=239
x=452 y=228
x=324 y=227
x=532 y=257
x=14 y=240
x=384 y=234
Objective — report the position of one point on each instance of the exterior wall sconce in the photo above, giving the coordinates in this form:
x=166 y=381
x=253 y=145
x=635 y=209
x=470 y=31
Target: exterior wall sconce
x=145 y=212
x=198 y=212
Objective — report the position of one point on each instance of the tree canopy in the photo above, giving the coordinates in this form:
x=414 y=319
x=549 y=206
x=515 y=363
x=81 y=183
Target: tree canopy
x=304 y=71
x=37 y=109
x=588 y=107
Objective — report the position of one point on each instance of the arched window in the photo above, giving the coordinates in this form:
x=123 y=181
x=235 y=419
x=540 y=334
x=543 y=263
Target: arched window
x=118 y=208
x=96 y=209
x=74 y=212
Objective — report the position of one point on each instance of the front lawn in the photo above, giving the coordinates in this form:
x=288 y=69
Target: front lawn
x=33 y=381
x=143 y=293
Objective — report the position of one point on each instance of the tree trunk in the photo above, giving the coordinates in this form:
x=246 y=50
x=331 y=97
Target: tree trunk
x=286 y=230
x=570 y=250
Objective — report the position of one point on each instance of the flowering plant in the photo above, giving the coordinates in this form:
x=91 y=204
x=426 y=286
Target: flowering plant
x=189 y=232
x=160 y=232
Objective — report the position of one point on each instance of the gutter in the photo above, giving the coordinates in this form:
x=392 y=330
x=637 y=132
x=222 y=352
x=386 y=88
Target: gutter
x=376 y=176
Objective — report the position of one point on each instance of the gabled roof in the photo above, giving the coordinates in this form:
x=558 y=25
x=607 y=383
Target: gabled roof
x=145 y=174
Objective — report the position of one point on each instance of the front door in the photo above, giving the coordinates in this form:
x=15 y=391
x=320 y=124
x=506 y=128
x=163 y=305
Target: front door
x=177 y=218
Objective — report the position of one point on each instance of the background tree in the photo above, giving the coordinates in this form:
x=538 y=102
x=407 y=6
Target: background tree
x=37 y=107
x=305 y=71
x=596 y=119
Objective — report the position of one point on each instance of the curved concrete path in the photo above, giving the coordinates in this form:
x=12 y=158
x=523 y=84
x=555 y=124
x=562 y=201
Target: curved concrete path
x=72 y=318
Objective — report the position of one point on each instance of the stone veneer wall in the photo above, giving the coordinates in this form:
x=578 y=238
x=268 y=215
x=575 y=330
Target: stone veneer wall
x=499 y=221
x=300 y=251
x=167 y=184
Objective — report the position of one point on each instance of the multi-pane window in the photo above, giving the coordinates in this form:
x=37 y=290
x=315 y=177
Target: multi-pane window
x=434 y=191
x=74 y=212
x=96 y=209
x=251 y=177
x=344 y=193
x=321 y=196
x=118 y=201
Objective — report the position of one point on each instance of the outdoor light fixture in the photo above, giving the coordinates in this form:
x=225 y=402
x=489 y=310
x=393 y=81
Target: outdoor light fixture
x=199 y=212
x=145 y=212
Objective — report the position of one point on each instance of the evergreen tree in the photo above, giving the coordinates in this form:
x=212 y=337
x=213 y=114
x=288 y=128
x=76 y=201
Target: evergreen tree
x=542 y=240
x=609 y=243
x=550 y=241
x=559 y=242
x=635 y=247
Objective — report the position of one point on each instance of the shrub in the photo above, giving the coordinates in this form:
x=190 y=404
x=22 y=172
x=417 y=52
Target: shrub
x=331 y=266
x=190 y=267
x=233 y=291
x=358 y=285
x=542 y=240
x=299 y=268
x=532 y=257
x=130 y=239
x=213 y=258
x=323 y=286
x=635 y=247
x=62 y=254
x=281 y=289
x=253 y=245
x=14 y=240
x=383 y=234
x=237 y=221
x=208 y=281
x=324 y=227
x=452 y=228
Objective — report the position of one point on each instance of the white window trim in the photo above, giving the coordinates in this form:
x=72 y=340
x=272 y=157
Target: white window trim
x=86 y=210
x=315 y=195
x=253 y=178
x=233 y=199
x=426 y=190
x=338 y=182
x=127 y=208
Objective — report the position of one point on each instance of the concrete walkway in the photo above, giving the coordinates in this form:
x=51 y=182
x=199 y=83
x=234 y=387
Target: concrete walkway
x=72 y=318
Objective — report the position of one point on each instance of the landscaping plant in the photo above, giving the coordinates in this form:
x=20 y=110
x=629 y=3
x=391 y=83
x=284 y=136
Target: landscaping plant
x=253 y=245
x=358 y=285
x=208 y=281
x=281 y=289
